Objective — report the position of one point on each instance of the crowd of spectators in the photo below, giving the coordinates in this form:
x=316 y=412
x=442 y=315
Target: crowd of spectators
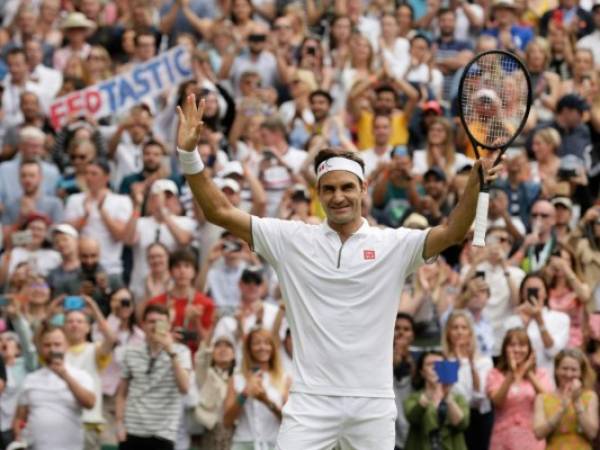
x=127 y=319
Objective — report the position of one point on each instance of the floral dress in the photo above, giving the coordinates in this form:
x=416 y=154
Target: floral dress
x=513 y=422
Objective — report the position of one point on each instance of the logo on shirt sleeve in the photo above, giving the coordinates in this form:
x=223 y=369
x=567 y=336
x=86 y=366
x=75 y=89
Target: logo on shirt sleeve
x=368 y=255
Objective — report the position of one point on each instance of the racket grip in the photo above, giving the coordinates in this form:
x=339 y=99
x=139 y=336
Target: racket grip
x=481 y=215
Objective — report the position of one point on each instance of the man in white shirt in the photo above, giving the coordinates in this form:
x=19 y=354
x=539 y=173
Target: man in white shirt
x=161 y=224
x=280 y=162
x=341 y=281
x=50 y=79
x=53 y=399
x=15 y=83
x=102 y=214
x=592 y=40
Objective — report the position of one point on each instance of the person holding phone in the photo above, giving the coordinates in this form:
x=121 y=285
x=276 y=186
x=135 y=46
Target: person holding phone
x=438 y=417
x=568 y=418
x=154 y=380
x=121 y=322
x=53 y=398
x=256 y=395
x=512 y=387
x=460 y=344
x=548 y=330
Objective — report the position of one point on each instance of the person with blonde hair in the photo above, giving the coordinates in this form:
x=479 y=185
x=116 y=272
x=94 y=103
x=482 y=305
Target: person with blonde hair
x=459 y=343
x=544 y=169
x=545 y=84
x=568 y=418
x=440 y=151
x=256 y=394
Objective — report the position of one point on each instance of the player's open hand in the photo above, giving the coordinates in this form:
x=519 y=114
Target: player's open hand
x=190 y=124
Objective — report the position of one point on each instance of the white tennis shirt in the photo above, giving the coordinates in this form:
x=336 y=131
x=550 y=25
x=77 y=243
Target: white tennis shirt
x=341 y=300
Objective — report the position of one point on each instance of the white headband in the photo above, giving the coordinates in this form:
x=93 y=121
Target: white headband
x=339 y=163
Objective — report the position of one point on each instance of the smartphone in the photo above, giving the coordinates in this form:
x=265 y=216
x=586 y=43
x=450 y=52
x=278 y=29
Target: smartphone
x=447 y=371
x=56 y=355
x=231 y=246
x=188 y=335
x=566 y=174
x=311 y=50
x=21 y=238
x=268 y=154
x=73 y=302
x=480 y=274
x=4 y=300
x=162 y=327
x=532 y=292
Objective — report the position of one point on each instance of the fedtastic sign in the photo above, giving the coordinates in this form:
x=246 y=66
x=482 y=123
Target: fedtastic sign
x=125 y=90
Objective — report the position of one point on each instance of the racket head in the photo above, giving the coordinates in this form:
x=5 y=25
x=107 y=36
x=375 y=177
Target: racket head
x=494 y=99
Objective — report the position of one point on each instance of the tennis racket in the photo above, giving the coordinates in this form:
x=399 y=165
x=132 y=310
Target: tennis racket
x=494 y=98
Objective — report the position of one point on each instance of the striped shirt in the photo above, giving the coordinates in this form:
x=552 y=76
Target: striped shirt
x=154 y=402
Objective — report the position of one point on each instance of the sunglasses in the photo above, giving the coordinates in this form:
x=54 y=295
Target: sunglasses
x=542 y=215
x=76 y=157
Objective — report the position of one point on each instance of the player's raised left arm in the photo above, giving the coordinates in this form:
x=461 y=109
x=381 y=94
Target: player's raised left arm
x=459 y=222
x=215 y=206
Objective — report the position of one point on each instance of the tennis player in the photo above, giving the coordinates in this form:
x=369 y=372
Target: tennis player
x=341 y=282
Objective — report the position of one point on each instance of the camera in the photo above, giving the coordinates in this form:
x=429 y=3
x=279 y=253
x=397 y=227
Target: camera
x=480 y=274
x=566 y=174
x=311 y=50
x=21 y=238
x=125 y=303
x=231 y=246
x=532 y=292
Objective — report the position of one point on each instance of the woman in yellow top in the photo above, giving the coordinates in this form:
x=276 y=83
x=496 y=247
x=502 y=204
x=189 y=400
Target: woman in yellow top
x=568 y=418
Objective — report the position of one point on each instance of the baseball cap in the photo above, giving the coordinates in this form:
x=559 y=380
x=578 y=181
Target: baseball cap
x=504 y=4
x=65 y=228
x=231 y=168
x=300 y=193
x=572 y=101
x=436 y=172
x=36 y=216
x=432 y=106
x=230 y=183
x=252 y=274
x=563 y=201
x=415 y=221
x=164 y=185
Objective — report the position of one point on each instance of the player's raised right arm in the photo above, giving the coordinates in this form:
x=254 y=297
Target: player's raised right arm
x=215 y=206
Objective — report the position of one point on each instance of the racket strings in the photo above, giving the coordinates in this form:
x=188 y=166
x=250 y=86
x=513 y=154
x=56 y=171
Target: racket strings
x=494 y=99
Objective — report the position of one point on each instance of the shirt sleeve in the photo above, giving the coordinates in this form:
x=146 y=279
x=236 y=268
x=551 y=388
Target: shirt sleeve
x=269 y=237
x=184 y=356
x=412 y=243
x=493 y=382
x=558 y=325
x=125 y=369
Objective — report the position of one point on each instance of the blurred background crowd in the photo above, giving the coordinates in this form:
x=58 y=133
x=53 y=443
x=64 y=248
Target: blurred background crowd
x=128 y=320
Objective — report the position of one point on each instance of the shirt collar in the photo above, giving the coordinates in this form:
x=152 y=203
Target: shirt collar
x=364 y=228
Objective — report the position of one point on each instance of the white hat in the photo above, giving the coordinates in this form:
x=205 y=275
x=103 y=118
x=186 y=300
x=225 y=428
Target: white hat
x=232 y=168
x=77 y=20
x=230 y=183
x=164 y=185
x=65 y=228
x=510 y=4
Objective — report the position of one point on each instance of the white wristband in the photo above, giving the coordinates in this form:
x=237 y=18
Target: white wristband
x=191 y=163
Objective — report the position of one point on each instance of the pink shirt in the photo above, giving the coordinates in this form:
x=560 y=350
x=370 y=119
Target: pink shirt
x=570 y=305
x=513 y=422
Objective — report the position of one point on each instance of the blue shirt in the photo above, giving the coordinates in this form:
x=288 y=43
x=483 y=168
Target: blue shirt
x=520 y=35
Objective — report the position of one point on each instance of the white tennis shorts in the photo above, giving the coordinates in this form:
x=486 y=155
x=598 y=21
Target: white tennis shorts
x=319 y=422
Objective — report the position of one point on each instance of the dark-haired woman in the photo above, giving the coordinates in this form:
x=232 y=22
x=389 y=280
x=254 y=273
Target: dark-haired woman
x=548 y=330
x=437 y=416
x=121 y=321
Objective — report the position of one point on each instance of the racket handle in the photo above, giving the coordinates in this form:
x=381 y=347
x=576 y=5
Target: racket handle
x=481 y=215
